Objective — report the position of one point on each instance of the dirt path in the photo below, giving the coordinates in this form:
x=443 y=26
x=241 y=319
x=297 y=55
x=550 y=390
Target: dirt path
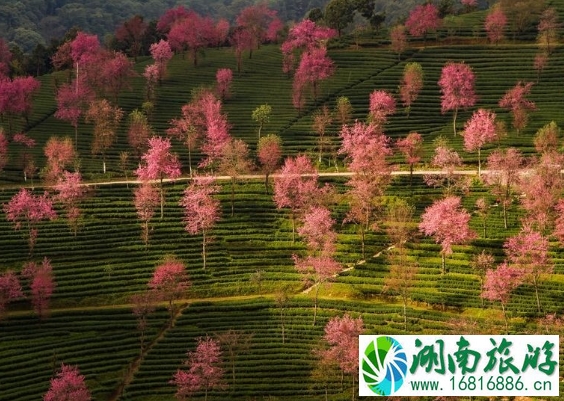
x=134 y=366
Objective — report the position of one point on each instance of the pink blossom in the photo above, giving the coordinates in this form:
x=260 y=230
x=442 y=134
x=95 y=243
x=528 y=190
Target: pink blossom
x=317 y=230
x=500 y=283
x=382 y=104
x=159 y=162
x=10 y=289
x=398 y=39
x=341 y=333
x=170 y=282
x=422 y=19
x=495 y=24
x=24 y=140
x=42 y=285
x=514 y=100
x=146 y=201
x=84 y=47
x=411 y=147
x=224 y=78
x=68 y=385
x=457 y=87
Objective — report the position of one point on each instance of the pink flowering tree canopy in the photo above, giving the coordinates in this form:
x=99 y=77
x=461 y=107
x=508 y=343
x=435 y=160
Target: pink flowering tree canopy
x=159 y=163
x=422 y=20
x=60 y=154
x=382 y=104
x=224 y=78
x=269 y=153
x=42 y=285
x=341 y=334
x=398 y=38
x=170 y=282
x=411 y=85
x=27 y=210
x=528 y=251
x=457 y=87
x=480 y=130
x=205 y=371
x=495 y=24
x=146 y=200
x=499 y=284
x=10 y=289
x=69 y=193
x=412 y=149
x=201 y=209
x=68 y=385
x=448 y=223
x=516 y=102
x=161 y=53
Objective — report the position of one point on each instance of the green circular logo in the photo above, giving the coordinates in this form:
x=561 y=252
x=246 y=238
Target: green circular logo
x=384 y=365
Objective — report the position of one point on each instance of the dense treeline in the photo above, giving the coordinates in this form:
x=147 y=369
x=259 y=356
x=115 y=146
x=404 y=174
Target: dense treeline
x=31 y=22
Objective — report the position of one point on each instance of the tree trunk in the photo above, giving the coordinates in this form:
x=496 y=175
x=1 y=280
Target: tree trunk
x=266 y=183
x=232 y=196
x=405 y=313
x=260 y=129
x=315 y=303
x=443 y=263
x=162 y=197
x=204 y=248
x=104 y=163
x=362 y=236
x=505 y=214
x=190 y=158
x=484 y=227
x=411 y=177
x=479 y=162
x=505 y=318
x=454 y=120
x=536 y=284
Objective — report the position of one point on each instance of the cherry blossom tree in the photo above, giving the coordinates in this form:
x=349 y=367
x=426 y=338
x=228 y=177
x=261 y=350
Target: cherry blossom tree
x=106 y=119
x=422 y=20
x=193 y=32
x=269 y=153
x=143 y=306
x=161 y=53
x=170 y=17
x=262 y=116
x=548 y=29
x=4 y=155
x=317 y=271
x=515 y=101
x=412 y=149
x=28 y=210
x=341 y=334
x=69 y=193
x=69 y=385
x=317 y=231
x=151 y=75
x=315 y=66
x=411 y=85
x=42 y=285
x=201 y=210
x=478 y=131
x=16 y=98
x=274 y=29
x=495 y=24
x=448 y=160
x=447 y=222
x=146 y=201
x=398 y=40
x=504 y=167
x=222 y=28
x=241 y=40
x=216 y=133
x=483 y=210
x=401 y=280
x=541 y=61
x=224 y=79
x=296 y=187
x=559 y=222
x=547 y=138
x=366 y=150
x=132 y=33
x=528 y=251
x=236 y=342
x=204 y=370
x=170 y=283
x=139 y=131
x=382 y=104
x=304 y=37
x=60 y=154
x=541 y=188
x=10 y=289
x=499 y=284
x=256 y=20
x=234 y=162
x=457 y=87
x=322 y=118
x=481 y=263
x=72 y=101
x=343 y=110
x=159 y=163
x=188 y=128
